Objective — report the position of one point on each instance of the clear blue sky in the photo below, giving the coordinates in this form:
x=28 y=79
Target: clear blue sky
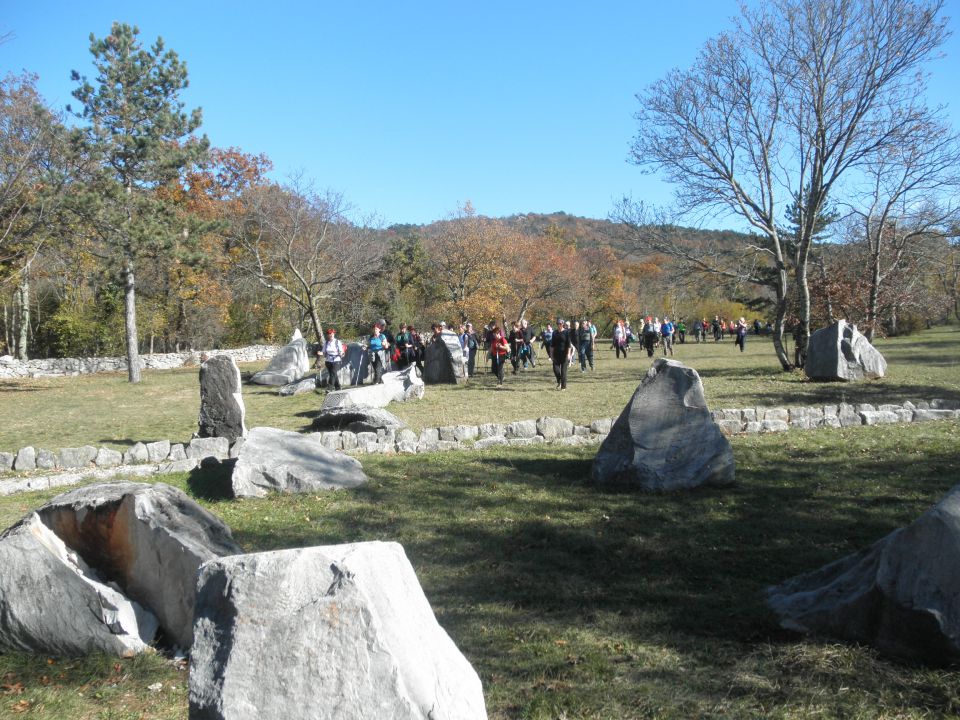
x=412 y=108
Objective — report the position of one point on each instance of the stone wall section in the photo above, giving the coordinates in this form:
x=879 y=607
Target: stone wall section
x=48 y=468
x=10 y=367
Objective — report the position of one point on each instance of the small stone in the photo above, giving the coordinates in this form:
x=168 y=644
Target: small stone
x=158 y=451
x=136 y=454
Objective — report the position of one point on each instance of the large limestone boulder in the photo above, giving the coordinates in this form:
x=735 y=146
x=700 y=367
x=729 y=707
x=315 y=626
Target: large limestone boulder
x=222 y=412
x=283 y=461
x=290 y=364
x=340 y=631
x=100 y=568
x=397 y=386
x=840 y=352
x=665 y=438
x=356 y=365
x=900 y=595
x=357 y=419
x=443 y=361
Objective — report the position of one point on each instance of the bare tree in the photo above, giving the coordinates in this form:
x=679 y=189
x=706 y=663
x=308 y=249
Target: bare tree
x=784 y=108
x=909 y=193
x=301 y=245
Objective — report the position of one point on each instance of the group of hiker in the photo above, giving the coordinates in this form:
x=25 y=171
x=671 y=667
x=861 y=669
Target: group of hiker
x=563 y=343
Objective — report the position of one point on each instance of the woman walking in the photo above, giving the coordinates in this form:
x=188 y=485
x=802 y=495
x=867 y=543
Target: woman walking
x=499 y=349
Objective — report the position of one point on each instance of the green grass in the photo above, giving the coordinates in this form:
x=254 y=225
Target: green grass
x=107 y=410
x=572 y=602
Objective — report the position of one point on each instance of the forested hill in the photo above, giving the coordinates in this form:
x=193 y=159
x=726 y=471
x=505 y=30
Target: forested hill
x=585 y=232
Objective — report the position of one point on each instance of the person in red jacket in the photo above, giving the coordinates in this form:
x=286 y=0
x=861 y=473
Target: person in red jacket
x=499 y=349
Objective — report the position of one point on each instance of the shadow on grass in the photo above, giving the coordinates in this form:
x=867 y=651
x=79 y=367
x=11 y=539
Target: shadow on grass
x=526 y=531
x=212 y=481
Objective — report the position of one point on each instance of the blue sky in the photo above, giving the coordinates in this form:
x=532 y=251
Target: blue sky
x=412 y=108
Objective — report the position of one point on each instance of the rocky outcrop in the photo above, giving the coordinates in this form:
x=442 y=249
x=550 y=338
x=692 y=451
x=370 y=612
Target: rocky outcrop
x=222 y=412
x=273 y=460
x=665 y=438
x=341 y=631
x=840 y=352
x=901 y=595
x=290 y=364
x=102 y=567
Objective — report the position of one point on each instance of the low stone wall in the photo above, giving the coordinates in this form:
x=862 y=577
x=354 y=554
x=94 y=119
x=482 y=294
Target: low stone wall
x=165 y=456
x=10 y=367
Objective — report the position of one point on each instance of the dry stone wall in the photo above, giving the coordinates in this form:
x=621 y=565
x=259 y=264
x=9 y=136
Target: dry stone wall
x=50 y=468
x=10 y=367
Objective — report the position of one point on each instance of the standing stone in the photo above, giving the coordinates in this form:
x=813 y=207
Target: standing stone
x=6 y=461
x=290 y=364
x=900 y=595
x=340 y=631
x=840 y=352
x=284 y=461
x=222 y=412
x=443 y=361
x=356 y=364
x=665 y=438
x=98 y=568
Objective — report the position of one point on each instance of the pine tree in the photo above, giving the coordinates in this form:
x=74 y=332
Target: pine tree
x=141 y=139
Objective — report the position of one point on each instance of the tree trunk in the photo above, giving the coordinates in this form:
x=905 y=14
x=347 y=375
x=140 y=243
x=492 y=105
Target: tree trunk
x=7 y=334
x=781 y=315
x=23 y=309
x=130 y=321
x=802 y=335
x=874 y=298
x=826 y=289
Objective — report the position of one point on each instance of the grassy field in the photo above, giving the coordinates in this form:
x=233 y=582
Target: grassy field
x=107 y=410
x=570 y=602
x=573 y=602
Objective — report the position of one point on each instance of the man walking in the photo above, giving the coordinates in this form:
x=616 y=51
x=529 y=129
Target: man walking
x=585 y=345
x=561 y=350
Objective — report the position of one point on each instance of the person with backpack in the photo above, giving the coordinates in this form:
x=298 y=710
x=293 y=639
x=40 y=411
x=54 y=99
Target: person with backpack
x=585 y=345
x=499 y=350
x=469 y=343
x=620 y=339
x=649 y=334
x=682 y=332
x=333 y=353
x=403 y=349
x=529 y=353
x=377 y=346
x=516 y=344
x=666 y=332
x=545 y=337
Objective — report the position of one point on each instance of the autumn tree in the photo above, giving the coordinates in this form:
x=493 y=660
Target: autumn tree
x=541 y=274
x=142 y=140
x=35 y=167
x=467 y=259
x=794 y=100
x=303 y=247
